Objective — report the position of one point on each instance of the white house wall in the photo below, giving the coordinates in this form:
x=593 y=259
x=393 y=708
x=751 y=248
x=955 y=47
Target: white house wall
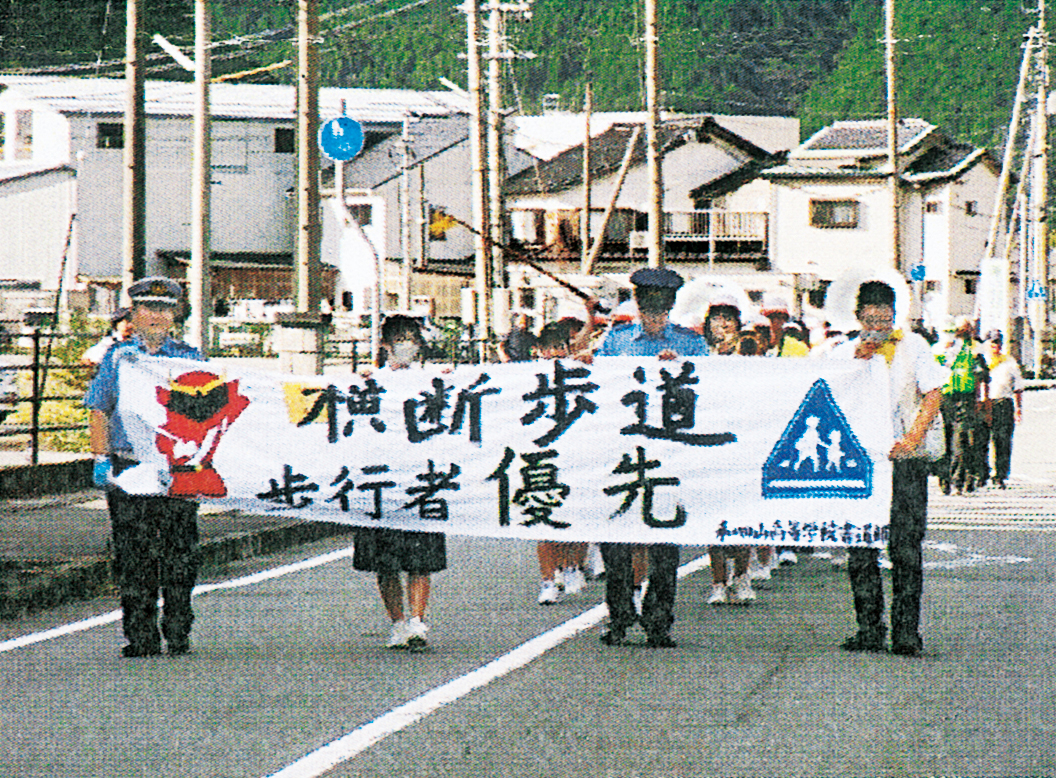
x=798 y=247
x=34 y=220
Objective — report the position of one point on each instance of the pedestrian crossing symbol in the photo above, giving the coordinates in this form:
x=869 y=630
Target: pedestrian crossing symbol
x=818 y=454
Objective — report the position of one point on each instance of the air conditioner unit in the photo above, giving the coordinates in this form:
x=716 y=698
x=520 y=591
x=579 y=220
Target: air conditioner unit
x=638 y=240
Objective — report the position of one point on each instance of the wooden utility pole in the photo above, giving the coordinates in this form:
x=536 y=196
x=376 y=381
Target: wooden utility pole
x=308 y=270
x=652 y=140
x=198 y=274
x=479 y=188
x=588 y=182
x=134 y=212
x=496 y=145
x=405 y=215
x=892 y=137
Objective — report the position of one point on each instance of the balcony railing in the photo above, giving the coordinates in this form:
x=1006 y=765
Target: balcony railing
x=715 y=225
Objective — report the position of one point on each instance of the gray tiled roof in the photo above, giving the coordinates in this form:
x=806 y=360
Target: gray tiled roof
x=866 y=136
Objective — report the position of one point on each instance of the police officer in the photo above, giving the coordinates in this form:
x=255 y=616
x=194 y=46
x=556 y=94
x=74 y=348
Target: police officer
x=155 y=538
x=653 y=335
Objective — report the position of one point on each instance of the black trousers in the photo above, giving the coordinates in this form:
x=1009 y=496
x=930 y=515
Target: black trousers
x=909 y=514
x=155 y=548
x=1004 y=422
x=659 y=604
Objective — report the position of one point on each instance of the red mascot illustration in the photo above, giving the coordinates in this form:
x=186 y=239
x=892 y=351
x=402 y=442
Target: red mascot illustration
x=199 y=407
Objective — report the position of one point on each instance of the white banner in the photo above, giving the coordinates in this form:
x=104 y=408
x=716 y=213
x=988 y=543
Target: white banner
x=696 y=451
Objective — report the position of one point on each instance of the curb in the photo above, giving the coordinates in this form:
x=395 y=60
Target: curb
x=32 y=587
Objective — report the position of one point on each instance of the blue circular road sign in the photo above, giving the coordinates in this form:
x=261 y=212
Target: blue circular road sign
x=341 y=138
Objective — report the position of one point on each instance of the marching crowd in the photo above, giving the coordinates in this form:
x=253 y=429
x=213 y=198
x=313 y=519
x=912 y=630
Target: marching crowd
x=975 y=387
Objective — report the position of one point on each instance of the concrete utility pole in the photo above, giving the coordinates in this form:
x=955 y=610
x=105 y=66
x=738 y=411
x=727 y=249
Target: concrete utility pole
x=588 y=181
x=1039 y=304
x=892 y=138
x=134 y=244
x=481 y=244
x=405 y=215
x=308 y=270
x=198 y=274
x=652 y=140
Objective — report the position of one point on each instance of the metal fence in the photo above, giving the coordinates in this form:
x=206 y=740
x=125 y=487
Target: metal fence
x=41 y=365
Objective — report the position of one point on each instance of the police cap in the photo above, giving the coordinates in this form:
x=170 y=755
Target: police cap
x=156 y=289
x=657 y=277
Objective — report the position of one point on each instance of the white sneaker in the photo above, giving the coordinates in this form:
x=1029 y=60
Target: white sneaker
x=639 y=598
x=559 y=578
x=416 y=629
x=594 y=563
x=743 y=593
x=399 y=635
x=574 y=580
x=718 y=594
x=822 y=553
x=549 y=593
x=787 y=557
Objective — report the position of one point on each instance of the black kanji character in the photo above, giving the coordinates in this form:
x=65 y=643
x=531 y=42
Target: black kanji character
x=429 y=505
x=502 y=475
x=678 y=407
x=541 y=492
x=376 y=487
x=291 y=485
x=469 y=398
x=365 y=402
x=327 y=400
x=559 y=392
x=646 y=486
x=433 y=404
x=341 y=495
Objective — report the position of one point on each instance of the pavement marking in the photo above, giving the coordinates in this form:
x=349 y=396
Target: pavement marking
x=235 y=583
x=1029 y=504
x=363 y=737
x=953 y=557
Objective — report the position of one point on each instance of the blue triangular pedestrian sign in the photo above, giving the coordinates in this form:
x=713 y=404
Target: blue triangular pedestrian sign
x=818 y=454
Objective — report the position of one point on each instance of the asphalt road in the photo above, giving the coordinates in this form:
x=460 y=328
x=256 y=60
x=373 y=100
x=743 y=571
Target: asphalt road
x=288 y=665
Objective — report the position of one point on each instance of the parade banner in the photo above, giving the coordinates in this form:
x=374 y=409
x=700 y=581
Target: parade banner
x=727 y=450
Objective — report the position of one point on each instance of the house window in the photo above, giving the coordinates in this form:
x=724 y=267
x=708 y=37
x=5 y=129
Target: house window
x=971 y=285
x=284 y=140
x=527 y=295
x=109 y=135
x=23 y=135
x=933 y=206
x=834 y=213
x=971 y=207
x=362 y=213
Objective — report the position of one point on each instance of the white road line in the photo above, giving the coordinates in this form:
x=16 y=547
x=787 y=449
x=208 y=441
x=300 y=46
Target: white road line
x=360 y=739
x=235 y=583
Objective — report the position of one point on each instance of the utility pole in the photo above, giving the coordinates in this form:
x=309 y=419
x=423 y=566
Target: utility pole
x=134 y=248
x=198 y=274
x=496 y=150
x=405 y=214
x=652 y=139
x=588 y=181
x=892 y=136
x=308 y=268
x=1039 y=306
x=481 y=244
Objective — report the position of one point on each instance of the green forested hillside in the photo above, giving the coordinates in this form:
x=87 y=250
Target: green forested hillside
x=821 y=60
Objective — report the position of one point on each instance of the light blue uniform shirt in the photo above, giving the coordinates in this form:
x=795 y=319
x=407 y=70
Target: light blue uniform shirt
x=102 y=393
x=629 y=340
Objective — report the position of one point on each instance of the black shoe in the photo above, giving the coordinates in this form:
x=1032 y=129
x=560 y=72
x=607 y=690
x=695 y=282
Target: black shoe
x=865 y=641
x=179 y=647
x=661 y=641
x=132 y=650
x=910 y=647
x=614 y=637
x=944 y=484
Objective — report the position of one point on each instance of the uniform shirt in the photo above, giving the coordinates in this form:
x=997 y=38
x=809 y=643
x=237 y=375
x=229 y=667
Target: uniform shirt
x=102 y=393
x=1005 y=378
x=912 y=371
x=967 y=367
x=629 y=340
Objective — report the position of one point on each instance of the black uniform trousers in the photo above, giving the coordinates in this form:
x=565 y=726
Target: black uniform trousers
x=1004 y=422
x=909 y=513
x=155 y=547
x=658 y=606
